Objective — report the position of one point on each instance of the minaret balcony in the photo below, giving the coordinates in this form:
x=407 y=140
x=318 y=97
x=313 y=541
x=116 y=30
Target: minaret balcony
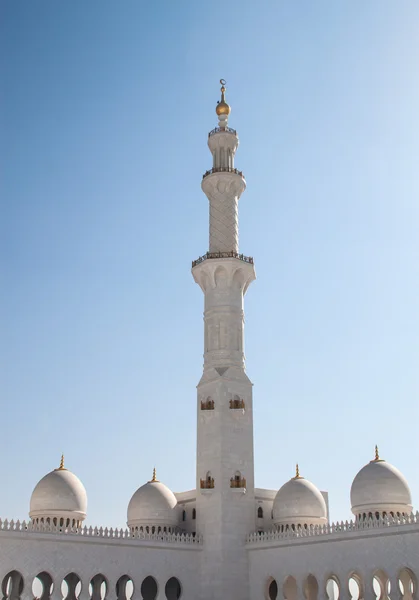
x=222 y=130
x=223 y=170
x=237 y=404
x=207 y=404
x=207 y=484
x=209 y=255
x=238 y=483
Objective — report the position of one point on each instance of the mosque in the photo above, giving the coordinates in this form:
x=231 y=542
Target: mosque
x=226 y=539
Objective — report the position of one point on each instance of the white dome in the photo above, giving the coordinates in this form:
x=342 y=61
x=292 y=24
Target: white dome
x=299 y=502
x=59 y=494
x=380 y=487
x=153 y=504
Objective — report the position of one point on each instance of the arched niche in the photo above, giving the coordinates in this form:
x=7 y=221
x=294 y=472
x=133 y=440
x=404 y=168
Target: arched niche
x=289 y=588
x=173 y=589
x=124 y=588
x=381 y=585
x=42 y=586
x=12 y=585
x=149 y=588
x=71 y=586
x=98 y=587
x=311 y=588
x=238 y=279
x=271 y=589
x=221 y=277
x=332 y=587
x=407 y=584
x=356 y=587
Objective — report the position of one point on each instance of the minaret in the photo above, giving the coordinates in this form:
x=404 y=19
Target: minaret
x=225 y=468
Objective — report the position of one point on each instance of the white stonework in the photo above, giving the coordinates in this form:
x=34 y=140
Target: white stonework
x=226 y=539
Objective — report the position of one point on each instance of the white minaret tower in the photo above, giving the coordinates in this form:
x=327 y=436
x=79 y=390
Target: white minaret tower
x=225 y=469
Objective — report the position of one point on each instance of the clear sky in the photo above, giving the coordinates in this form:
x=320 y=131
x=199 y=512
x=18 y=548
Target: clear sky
x=105 y=112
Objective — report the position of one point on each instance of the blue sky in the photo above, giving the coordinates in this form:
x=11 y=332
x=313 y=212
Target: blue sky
x=105 y=112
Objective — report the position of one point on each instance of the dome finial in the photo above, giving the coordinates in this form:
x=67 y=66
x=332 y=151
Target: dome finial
x=297 y=472
x=61 y=467
x=377 y=454
x=154 y=478
x=223 y=109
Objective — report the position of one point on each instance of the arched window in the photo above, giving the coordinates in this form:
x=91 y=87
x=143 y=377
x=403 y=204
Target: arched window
x=184 y=515
x=260 y=512
x=194 y=513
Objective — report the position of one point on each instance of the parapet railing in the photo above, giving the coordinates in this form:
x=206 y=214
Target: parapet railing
x=235 y=404
x=207 y=404
x=238 y=483
x=343 y=527
x=222 y=130
x=222 y=170
x=207 y=484
x=99 y=532
x=209 y=255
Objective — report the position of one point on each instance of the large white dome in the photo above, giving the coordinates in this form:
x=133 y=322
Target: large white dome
x=59 y=495
x=380 y=487
x=153 y=504
x=299 y=502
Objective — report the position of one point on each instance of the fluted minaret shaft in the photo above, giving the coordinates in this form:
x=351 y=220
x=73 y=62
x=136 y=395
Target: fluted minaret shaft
x=223 y=186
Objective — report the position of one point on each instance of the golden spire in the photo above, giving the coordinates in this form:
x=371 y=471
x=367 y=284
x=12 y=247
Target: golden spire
x=222 y=106
x=61 y=467
x=154 y=478
x=377 y=455
x=297 y=472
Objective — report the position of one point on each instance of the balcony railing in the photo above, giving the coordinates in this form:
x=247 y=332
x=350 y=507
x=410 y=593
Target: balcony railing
x=222 y=130
x=234 y=404
x=209 y=255
x=222 y=170
x=237 y=482
x=207 y=484
x=207 y=404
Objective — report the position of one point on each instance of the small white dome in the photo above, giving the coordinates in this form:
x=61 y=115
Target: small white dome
x=299 y=502
x=59 y=494
x=380 y=487
x=153 y=504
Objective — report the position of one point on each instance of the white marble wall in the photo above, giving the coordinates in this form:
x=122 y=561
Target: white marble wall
x=382 y=552
x=31 y=553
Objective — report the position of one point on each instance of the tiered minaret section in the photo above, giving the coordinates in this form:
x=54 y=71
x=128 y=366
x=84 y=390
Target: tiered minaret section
x=225 y=466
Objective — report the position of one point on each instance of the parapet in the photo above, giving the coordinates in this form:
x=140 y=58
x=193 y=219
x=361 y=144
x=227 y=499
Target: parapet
x=96 y=533
x=333 y=529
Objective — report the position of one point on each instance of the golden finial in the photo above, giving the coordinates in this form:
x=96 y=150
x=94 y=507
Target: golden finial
x=222 y=106
x=377 y=455
x=154 y=478
x=297 y=472
x=61 y=467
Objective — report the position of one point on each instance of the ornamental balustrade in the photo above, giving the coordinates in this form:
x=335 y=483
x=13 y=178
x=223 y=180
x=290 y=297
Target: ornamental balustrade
x=222 y=170
x=209 y=255
x=238 y=482
x=207 y=484
x=236 y=404
x=299 y=532
x=222 y=130
x=98 y=532
x=207 y=405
